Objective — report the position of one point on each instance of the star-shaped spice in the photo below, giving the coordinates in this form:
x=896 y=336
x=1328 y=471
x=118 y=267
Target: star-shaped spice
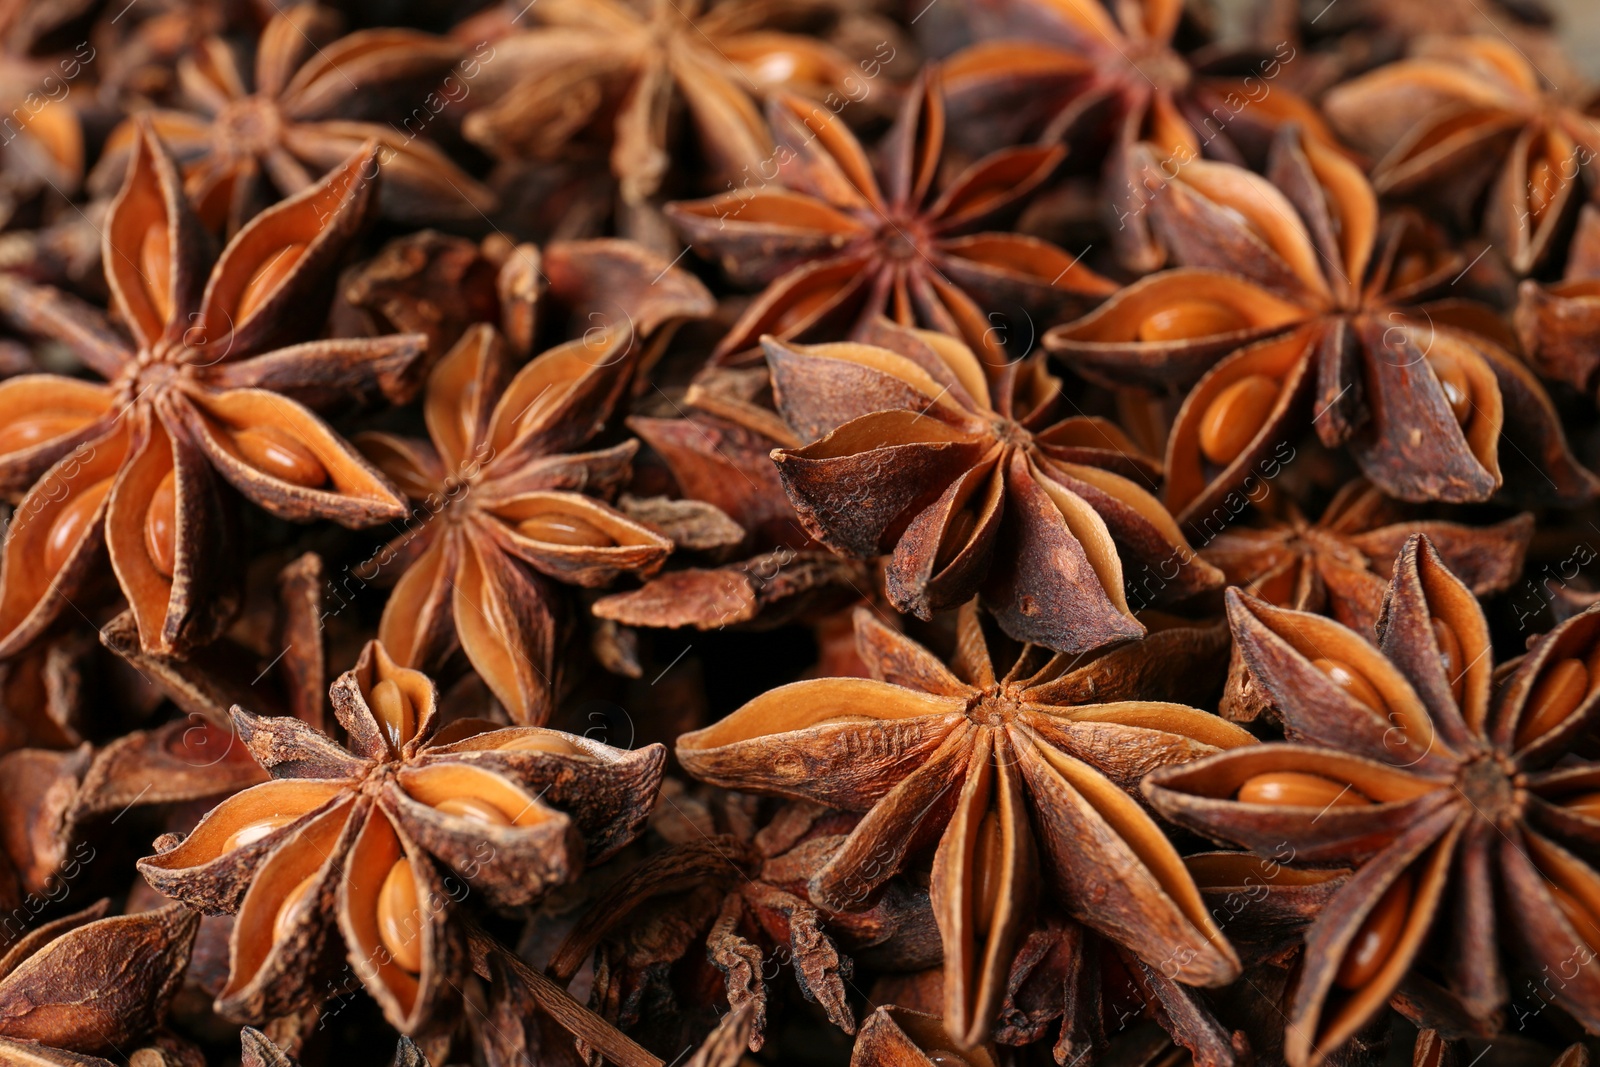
x=242 y=137
x=975 y=487
x=612 y=71
x=1340 y=565
x=503 y=510
x=1558 y=322
x=204 y=390
x=1016 y=768
x=1102 y=74
x=838 y=242
x=1465 y=114
x=1310 y=301
x=356 y=851
x=1448 y=782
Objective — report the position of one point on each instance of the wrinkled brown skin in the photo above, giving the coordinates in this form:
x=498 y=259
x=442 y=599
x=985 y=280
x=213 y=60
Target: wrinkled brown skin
x=303 y=80
x=1059 y=72
x=469 y=578
x=1339 y=565
x=937 y=753
x=762 y=592
x=257 y=1050
x=1341 y=332
x=838 y=243
x=911 y=436
x=1454 y=794
x=1463 y=115
x=175 y=397
x=349 y=801
x=89 y=984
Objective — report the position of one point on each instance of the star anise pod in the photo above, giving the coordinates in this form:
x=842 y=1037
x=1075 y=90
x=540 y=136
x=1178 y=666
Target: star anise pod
x=976 y=488
x=1012 y=767
x=244 y=136
x=1558 y=322
x=1108 y=74
x=43 y=148
x=746 y=911
x=616 y=70
x=504 y=513
x=1309 y=299
x=1340 y=565
x=88 y=984
x=204 y=389
x=1465 y=113
x=839 y=243
x=346 y=851
x=1448 y=782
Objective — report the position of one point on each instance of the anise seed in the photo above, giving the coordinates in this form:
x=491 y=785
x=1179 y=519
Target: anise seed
x=1235 y=417
x=279 y=455
x=161 y=526
x=292 y=908
x=155 y=263
x=251 y=832
x=561 y=528
x=1450 y=658
x=1456 y=384
x=943 y=1057
x=1298 y=789
x=989 y=869
x=1191 y=318
x=400 y=918
x=1587 y=804
x=1376 y=938
x=70 y=523
x=394 y=713
x=1581 y=918
x=1542 y=188
x=27 y=432
x=266 y=278
x=1353 y=682
x=475 y=809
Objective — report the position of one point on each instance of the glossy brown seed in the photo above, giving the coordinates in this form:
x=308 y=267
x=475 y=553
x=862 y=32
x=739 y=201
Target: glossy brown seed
x=293 y=906
x=69 y=526
x=266 y=278
x=1582 y=920
x=1542 y=188
x=1455 y=383
x=1557 y=695
x=1409 y=268
x=1191 y=318
x=251 y=832
x=27 y=432
x=560 y=528
x=475 y=809
x=279 y=455
x=1584 y=804
x=1301 y=790
x=1353 y=682
x=1376 y=938
x=1236 y=416
x=1450 y=658
x=943 y=1057
x=394 y=713
x=989 y=867
x=155 y=264
x=399 y=917
x=161 y=526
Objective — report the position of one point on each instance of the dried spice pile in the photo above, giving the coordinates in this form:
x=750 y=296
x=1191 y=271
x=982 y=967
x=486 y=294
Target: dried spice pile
x=957 y=533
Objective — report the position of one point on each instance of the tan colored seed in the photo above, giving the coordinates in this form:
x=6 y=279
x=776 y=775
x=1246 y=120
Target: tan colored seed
x=956 y=535
x=393 y=710
x=1584 y=804
x=1557 y=695
x=400 y=918
x=292 y=908
x=1409 y=268
x=1235 y=417
x=251 y=832
x=1582 y=920
x=1450 y=658
x=1299 y=790
x=71 y=524
x=27 y=432
x=1191 y=318
x=266 y=278
x=1455 y=383
x=274 y=452
x=943 y=1057
x=1353 y=682
x=1376 y=939
x=988 y=861
x=161 y=526
x=474 y=808
x=560 y=528
x=1542 y=188
x=540 y=743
